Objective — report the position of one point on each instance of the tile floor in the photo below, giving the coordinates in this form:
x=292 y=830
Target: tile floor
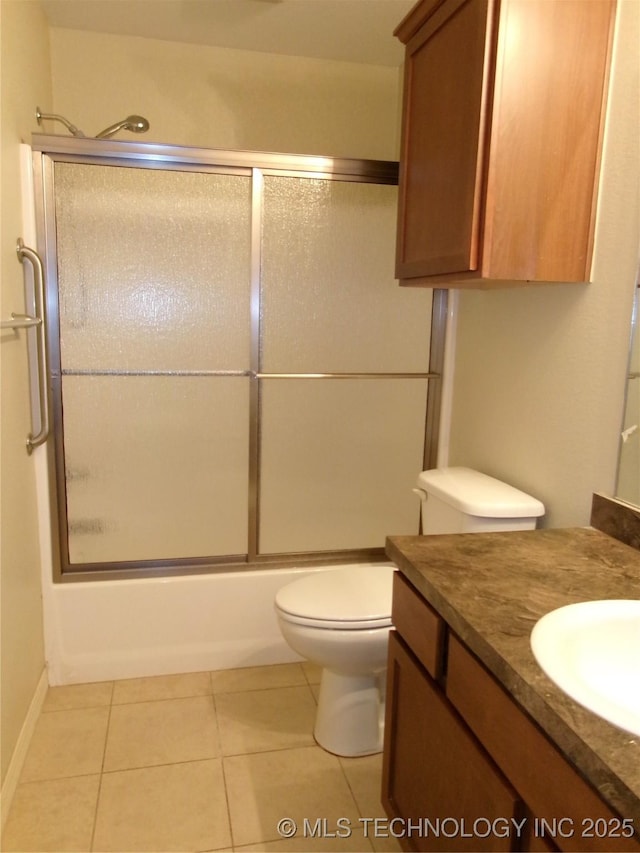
x=197 y=762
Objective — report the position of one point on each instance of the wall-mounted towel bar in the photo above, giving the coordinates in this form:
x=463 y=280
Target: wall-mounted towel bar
x=35 y=325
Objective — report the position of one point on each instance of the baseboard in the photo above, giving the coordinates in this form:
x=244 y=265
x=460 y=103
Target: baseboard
x=20 y=752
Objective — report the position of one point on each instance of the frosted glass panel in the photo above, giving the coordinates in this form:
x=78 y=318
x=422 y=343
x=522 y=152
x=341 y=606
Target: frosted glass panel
x=154 y=277
x=330 y=300
x=154 y=268
x=156 y=467
x=339 y=461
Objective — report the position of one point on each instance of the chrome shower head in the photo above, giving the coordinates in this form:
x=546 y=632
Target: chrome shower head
x=136 y=124
x=40 y=116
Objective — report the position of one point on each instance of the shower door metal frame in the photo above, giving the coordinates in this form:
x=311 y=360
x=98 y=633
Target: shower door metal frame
x=48 y=150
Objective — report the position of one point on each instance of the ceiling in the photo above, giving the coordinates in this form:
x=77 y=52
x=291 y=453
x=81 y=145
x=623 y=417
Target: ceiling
x=347 y=30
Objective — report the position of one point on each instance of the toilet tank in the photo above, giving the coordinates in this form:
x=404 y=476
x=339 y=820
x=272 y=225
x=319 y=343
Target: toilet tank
x=460 y=500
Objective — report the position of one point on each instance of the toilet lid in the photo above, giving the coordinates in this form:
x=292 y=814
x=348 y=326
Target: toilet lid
x=353 y=597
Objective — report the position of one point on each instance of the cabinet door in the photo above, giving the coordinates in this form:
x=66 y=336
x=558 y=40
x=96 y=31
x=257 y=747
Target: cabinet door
x=435 y=770
x=443 y=136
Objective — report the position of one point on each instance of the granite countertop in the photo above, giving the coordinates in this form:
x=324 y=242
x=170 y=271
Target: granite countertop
x=491 y=588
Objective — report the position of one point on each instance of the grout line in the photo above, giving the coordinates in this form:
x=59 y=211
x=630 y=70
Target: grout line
x=222 y=765
x=226 y=799
x=162 y=699
x=163 y=764
x=104 y=754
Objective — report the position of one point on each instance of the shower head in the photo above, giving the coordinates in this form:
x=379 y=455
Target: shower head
x=40 y=116
x=136 y=124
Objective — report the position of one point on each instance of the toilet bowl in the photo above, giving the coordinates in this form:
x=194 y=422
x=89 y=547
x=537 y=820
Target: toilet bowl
x=340 y=619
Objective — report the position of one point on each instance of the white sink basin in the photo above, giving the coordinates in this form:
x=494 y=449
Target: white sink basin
x=592 y=652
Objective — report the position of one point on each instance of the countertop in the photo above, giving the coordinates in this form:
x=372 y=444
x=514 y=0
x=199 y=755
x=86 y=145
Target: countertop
x=491 y=588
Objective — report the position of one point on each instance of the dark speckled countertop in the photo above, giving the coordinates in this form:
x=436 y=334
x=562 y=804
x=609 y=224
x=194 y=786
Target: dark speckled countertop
x=491 y=588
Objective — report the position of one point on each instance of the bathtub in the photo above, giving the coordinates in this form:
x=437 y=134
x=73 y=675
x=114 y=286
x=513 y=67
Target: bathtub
x=104 y=630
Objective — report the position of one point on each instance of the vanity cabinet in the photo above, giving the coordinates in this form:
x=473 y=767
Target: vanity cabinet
x=502 y=127
x=460 y=753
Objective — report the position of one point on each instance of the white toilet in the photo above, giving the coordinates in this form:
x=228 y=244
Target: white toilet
x=340 y=618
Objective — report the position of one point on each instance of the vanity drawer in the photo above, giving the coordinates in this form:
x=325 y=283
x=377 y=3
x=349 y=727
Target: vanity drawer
x=539 y=772
x=419 y=625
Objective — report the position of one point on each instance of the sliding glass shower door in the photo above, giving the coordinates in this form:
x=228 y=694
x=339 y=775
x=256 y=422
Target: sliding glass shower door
x=342 y=425
x=237 y=378
x=154 y=286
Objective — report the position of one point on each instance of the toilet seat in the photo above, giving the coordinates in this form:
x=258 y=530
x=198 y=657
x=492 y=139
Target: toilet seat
x=353 y=598
x=335 y=624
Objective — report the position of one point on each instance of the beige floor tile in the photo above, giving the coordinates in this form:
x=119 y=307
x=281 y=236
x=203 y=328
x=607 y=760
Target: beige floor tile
x=264 y=788
x=66 y=743
x=312 y=671
x=355 y=843
x=257 y=677
x=259 y=720
x=52 y=816
x=150 y=733
x=384 y=840
x=364 y=776
x=161 y=687
x=78 y=696
x=176 y=807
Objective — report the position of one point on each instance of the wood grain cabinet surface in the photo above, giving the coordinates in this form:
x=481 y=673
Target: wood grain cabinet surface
x=460 y=753
x=503 y=116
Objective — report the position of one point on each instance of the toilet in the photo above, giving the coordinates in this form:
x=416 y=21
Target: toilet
x=340 y=618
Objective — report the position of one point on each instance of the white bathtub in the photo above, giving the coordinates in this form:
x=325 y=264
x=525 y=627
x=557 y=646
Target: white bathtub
x=103 y=630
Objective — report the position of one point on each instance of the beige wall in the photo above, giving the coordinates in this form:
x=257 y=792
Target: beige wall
x=25 y=83
x=219 y=98
x=539 y=376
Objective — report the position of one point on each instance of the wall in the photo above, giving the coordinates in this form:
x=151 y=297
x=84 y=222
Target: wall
x=25 y=83
x=219 y=98
x=628 y=488
x=539 y=381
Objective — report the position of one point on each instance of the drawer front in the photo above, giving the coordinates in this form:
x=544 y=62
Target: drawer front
x=546 y=781
x=419 y=625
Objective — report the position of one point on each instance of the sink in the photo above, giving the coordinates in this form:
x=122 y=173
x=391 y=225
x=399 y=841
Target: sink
x=592 y=652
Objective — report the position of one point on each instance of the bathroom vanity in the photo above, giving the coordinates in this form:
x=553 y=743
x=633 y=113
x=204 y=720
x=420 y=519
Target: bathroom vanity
x=482 y=751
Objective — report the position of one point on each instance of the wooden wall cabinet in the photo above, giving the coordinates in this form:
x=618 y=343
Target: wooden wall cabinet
x=458 y=749
x=503 y=117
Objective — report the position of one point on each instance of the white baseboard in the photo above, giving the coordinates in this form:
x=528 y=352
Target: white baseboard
x=20 y=752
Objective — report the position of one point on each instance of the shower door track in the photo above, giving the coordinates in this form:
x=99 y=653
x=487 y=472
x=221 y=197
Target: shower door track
x=48 y=150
